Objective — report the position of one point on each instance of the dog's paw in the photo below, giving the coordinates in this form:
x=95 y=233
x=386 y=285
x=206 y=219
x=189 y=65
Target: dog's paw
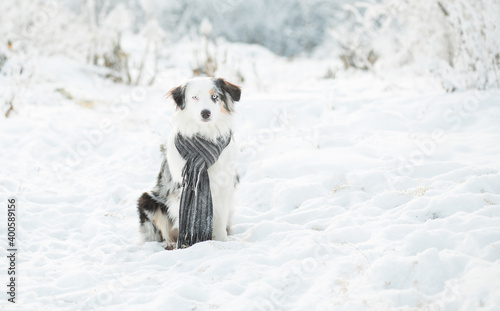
x=220 y=236
x=169 y=245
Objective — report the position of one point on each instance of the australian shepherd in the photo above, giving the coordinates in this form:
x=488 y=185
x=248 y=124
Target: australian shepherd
x=204 y=107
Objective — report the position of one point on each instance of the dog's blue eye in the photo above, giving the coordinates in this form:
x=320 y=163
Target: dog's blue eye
x=215 y=96
x=195 y=97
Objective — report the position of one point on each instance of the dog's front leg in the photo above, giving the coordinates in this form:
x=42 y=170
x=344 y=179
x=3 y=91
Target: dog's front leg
x=223 y=210
x=220 y=232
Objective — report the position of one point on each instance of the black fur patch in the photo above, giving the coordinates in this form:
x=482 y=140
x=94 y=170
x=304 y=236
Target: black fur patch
x=233 y=90
x=142 y=215
x=178 y=94
x=147 y=204
x=228 y=88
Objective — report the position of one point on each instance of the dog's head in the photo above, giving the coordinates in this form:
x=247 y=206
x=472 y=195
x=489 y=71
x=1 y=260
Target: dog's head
x=206 y=100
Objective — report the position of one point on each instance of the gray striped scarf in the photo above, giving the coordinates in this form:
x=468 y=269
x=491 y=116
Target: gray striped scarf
x=196 y=209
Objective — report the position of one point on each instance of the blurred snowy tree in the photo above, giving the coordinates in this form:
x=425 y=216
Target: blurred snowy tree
x=457 y=41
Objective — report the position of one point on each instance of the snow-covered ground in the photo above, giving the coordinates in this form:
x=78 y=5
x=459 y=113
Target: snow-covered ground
x=357 y=193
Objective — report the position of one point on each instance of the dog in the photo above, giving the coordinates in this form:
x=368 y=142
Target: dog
x=205 y=109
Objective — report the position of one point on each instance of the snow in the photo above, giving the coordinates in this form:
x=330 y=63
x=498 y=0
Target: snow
x=362 y=192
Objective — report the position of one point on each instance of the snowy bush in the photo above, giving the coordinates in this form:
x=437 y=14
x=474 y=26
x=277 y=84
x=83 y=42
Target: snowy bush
x=29 y=30
x=457 y=41
x=475 y=37
x=106 y=35
x=109 y=25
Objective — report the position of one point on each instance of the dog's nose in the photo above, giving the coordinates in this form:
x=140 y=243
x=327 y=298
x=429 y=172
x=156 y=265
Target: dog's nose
x=205 y=113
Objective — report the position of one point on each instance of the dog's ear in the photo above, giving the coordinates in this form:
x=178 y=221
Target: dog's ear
x=177 y=94
x=233 y=90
